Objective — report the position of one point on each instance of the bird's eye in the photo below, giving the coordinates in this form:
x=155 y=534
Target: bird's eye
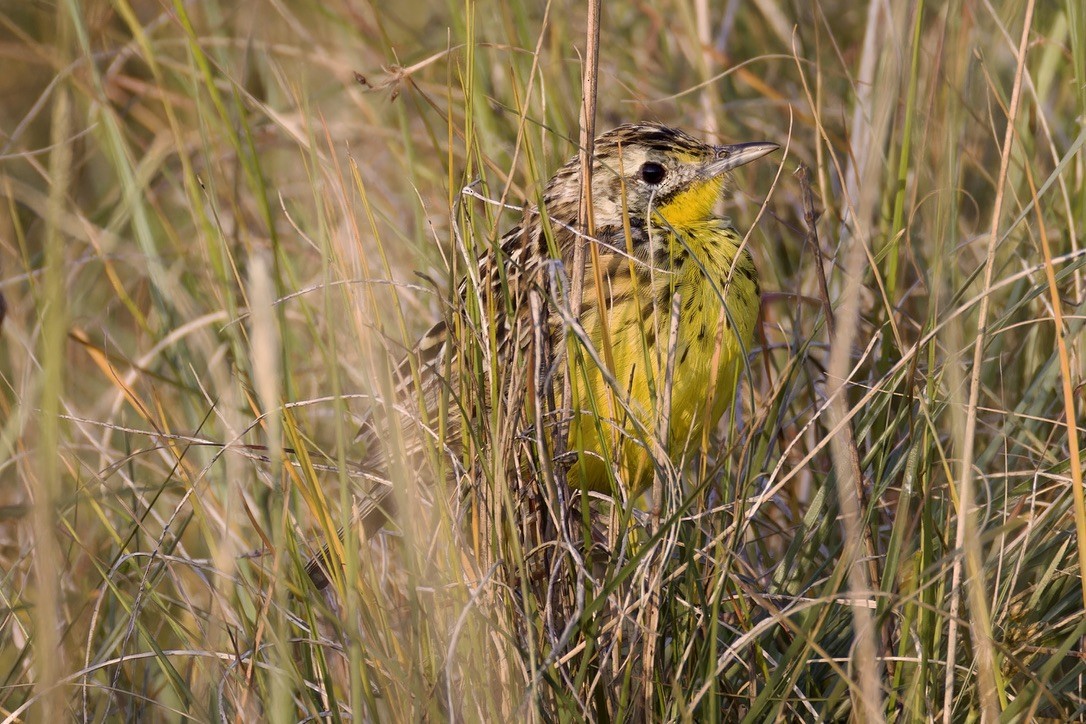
x=653 y=173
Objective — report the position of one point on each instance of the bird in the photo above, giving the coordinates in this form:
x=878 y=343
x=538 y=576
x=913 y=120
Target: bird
x=667 y=314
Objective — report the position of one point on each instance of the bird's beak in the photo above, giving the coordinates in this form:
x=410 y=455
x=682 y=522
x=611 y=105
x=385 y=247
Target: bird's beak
x=736 y=155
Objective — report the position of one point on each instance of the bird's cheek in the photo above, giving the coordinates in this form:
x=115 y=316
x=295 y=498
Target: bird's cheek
x=606 y=211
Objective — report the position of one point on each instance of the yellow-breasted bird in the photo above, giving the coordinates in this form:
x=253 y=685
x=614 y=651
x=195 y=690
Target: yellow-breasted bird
x=659 y=247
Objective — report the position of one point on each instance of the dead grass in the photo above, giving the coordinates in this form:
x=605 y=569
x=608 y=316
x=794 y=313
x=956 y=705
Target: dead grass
x=208 y=250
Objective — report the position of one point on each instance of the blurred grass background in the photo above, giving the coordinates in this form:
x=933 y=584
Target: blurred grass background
x=213 y=215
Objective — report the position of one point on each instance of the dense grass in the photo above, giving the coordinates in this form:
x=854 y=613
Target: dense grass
x=208 y=247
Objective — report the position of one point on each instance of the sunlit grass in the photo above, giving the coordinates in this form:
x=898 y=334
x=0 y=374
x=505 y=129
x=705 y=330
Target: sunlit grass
x=217 y=242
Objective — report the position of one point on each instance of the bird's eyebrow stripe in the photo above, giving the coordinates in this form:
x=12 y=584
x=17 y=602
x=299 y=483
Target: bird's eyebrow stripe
x=661 y=146
x=657 y=139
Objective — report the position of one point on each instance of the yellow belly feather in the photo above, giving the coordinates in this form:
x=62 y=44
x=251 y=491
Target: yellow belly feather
x=621 y=431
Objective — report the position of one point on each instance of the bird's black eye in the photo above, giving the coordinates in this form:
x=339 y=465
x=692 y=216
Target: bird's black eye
x=652 y=173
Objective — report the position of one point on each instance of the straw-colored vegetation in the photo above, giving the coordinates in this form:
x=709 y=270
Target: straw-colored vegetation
x=222 y=223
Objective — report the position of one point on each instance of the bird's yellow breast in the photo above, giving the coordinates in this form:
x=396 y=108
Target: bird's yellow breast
x=620 y=412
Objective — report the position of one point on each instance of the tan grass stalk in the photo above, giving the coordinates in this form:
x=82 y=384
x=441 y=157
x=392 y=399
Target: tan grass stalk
x=966 y=538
